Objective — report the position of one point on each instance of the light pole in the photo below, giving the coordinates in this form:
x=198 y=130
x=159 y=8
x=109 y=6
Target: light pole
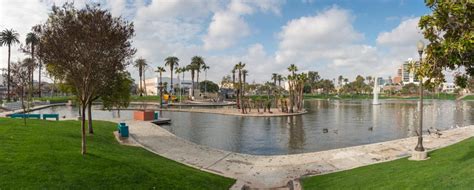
x=419 y=146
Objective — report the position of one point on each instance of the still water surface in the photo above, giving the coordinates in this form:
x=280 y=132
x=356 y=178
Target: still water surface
x=327 y=125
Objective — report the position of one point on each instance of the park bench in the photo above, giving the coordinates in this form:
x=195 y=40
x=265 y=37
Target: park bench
x=22 y=115
x=16 y=115
x=51 y=115
x=122 y=129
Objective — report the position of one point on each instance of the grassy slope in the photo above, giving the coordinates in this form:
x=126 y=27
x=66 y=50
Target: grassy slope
x=470 y=97
x=449 y=168
x=46 y=155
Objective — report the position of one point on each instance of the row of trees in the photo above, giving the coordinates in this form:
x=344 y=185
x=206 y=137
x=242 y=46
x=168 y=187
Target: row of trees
x=196 y=66
x=9 y=37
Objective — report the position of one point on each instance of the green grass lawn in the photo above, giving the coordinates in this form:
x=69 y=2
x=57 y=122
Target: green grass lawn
x=470 y=97
x=56 y=99
x=449 y=168
x=46 y=155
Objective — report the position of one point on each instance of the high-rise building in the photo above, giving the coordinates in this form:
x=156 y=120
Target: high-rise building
x=407 y=75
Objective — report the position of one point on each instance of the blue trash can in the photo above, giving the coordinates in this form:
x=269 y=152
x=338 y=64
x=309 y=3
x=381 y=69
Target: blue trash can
x=156 y=116
x=124 y=131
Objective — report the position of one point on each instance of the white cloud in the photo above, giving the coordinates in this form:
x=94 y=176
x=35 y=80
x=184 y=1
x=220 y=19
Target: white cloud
x=20 y=16
x=224 y=31
x=325 y=42
x=228 y=25
x=405 y=34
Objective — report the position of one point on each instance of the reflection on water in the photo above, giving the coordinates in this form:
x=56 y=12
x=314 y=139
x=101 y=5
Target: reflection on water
x=328 y=125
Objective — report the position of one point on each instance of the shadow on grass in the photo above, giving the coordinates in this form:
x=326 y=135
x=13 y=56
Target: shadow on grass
x=469 y=154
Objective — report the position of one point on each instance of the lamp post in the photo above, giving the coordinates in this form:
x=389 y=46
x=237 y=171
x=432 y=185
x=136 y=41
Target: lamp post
x=419 y=146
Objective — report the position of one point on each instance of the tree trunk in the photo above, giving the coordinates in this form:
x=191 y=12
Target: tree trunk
x=83 y=128
x=161 y=92
x=172 y=89
x=39 y=78
x=192 y=83
x=89 y=117
x=140 y=89
x=144 y=83
x=197 y=79
x=8 y=79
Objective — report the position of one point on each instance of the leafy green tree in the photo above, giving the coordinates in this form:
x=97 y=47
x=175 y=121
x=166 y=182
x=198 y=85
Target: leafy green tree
x=118 y=93
x=87 y=48
x=9 y=37
x=211 y=86
x=450 y=31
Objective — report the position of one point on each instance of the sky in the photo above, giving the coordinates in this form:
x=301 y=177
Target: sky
x=345 y=37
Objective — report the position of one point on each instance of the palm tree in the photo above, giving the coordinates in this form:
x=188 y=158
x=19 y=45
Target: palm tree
x=172 y=62
x=9 y=38
x=192 y=67
x=160 y=84
x=184 y=69
x=205 y=68
x=292 y=68
x=245 y=73
x=240 y=66
x=32 y=40
x=140 y=64
x=199 y=62
x=274 y=78
x=280 y=78
x=178 y=71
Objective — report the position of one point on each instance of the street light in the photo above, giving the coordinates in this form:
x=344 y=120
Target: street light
x=419 y=146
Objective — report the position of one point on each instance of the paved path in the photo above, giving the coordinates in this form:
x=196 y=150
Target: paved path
x=277 y=171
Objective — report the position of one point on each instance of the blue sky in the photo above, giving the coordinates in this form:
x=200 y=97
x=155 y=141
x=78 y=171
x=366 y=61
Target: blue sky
x=367 y=37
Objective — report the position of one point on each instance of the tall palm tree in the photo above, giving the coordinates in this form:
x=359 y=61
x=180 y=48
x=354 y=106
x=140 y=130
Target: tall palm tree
x=172 y=62
x=240 y=66
x=9 y=38
x=32 y=40
x=274 y=78
x=184 y=69
x=205 y=68
x=199 y=62
x=245 y=73
x=38 y=29
x=292 y=68
x=160 y=84
x=178 y=71
x=192 y=68
x=141 y=64
x=280 y=78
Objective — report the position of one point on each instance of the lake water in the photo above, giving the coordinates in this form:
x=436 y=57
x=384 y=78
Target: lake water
x=327 y=125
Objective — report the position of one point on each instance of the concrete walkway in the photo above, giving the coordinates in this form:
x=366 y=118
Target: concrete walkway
x=283 y=170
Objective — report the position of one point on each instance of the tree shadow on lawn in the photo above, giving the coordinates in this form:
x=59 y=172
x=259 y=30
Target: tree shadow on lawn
x=468 y=155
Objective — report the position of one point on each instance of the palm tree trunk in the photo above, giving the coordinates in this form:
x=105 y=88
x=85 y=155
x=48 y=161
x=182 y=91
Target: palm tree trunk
x=197 y=79
x=8 y=79
x=192 y=83
x=144 y=83
x=161 y=91
x=172 y=89
x=140 y=89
